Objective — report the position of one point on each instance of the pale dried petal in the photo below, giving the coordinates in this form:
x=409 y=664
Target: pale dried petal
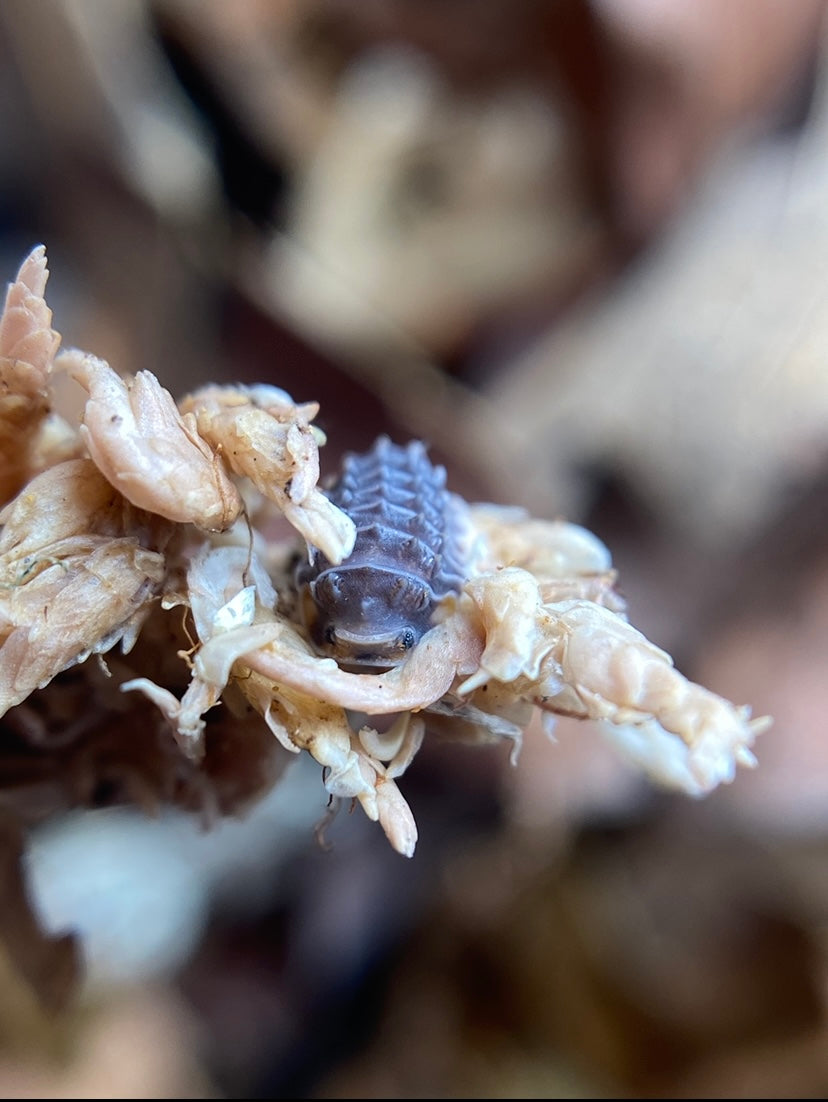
x=27 y=341
x=567 y=560
x=696 y=770
x=598 y=588
x=215 y=577
x=616 y=674
x=42 y=631
x=426 y=674
x=54 y=441
x=322 y=525
x=277 y=449
x=151 y=453
x=272 y=399
x=508 y=605
x=547 y=548
x=27 y=348
x=323 y=730
x=395 y=817
x=385 y=803
x=70 y=500
x=579 y=658
x=492 y=715
x=397 y=746
x=62 y=551
x=185 y=716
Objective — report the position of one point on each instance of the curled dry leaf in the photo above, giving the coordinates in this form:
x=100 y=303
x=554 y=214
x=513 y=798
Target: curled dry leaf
x=151 y=522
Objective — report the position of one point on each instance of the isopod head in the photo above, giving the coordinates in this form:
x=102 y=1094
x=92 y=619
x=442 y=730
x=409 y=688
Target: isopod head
x=369 y=616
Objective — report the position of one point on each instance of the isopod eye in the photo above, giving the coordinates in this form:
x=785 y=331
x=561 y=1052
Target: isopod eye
x=335 y=583
x=407 y=639
x=330 y=634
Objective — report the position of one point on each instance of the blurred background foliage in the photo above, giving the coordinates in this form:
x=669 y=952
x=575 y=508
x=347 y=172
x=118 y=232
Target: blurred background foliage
x=581 y=249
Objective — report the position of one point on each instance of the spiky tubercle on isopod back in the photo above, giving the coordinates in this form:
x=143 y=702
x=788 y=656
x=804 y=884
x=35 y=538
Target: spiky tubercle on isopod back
x=412 y=549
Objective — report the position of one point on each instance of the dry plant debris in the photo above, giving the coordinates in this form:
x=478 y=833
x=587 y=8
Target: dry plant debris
x=151 y=512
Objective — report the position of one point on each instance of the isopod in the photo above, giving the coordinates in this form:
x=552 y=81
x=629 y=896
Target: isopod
x=412 y=550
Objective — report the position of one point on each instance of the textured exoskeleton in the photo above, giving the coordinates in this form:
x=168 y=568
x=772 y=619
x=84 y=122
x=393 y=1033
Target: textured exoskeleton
x=412 y=549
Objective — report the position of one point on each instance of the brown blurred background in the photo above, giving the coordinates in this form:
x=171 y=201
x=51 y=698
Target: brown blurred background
x=582 y=250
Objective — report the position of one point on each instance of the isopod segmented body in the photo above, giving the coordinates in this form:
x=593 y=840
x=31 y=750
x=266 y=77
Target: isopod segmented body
x=412 y=549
